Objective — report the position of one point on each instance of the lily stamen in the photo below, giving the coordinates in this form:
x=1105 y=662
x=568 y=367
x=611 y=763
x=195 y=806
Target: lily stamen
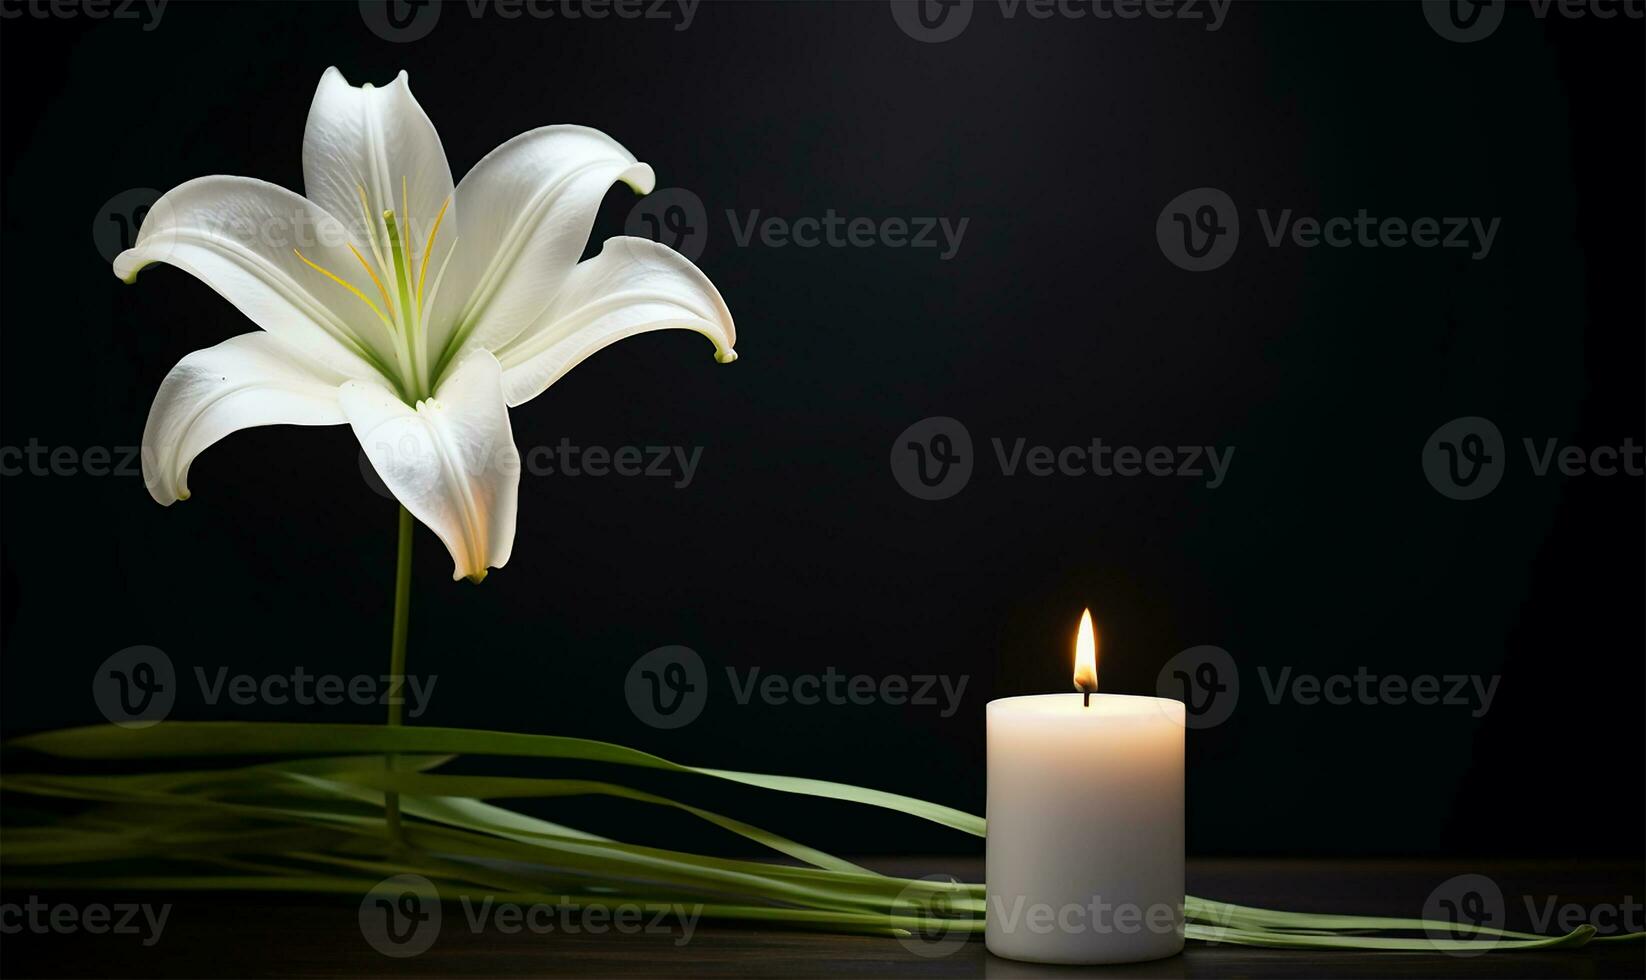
x=378 y=282
x=405 y=233
x=434 y=291
x=368 y=229
x=428 y=250
x=345 y=284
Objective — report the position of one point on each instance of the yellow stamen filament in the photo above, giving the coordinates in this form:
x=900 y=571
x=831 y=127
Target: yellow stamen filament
x=428 y=250
x=369 y=228
x=376 y=281
x=439 y=275
x=344 y=283
x=405 y=230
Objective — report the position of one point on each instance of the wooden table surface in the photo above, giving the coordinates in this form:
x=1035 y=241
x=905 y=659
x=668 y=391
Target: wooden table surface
x=299 y=935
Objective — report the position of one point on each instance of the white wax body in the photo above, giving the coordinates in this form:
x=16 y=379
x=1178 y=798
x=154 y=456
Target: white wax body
x=1085 y=811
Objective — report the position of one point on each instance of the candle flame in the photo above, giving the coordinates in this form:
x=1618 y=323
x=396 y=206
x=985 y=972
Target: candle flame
x=1085 y=655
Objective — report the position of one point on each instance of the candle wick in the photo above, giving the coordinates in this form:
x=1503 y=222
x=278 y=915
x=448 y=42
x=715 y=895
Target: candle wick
x=1086 y=699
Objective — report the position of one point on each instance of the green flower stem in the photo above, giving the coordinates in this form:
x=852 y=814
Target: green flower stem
x=397 y=654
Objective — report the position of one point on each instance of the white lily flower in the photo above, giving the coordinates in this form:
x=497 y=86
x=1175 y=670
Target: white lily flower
x=415 y=312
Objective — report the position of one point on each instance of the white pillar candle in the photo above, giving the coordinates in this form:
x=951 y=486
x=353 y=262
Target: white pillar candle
x=1085 y=813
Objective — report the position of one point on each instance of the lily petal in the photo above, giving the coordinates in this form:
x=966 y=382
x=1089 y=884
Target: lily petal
x=240 y=237
x=379 y=140
x=451 y=460
x=247 y=380
x=632 y=286
x=524 y=214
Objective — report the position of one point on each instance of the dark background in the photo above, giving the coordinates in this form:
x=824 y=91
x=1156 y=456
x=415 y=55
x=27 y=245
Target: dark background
x=1059 y=320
